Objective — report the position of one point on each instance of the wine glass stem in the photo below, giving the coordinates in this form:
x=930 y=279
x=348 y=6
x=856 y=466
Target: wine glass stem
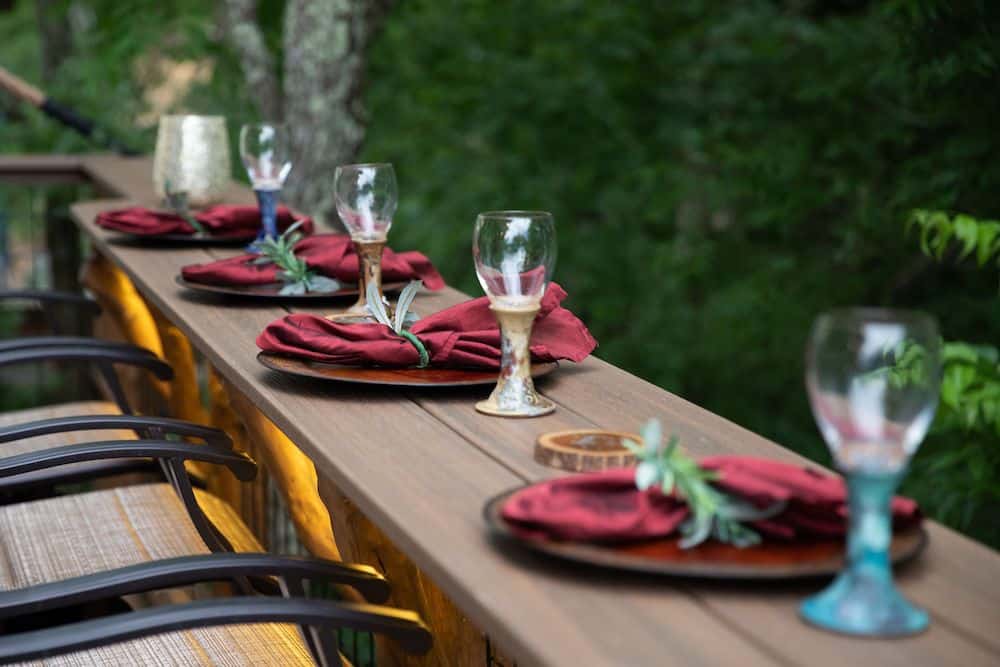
x=369 y=270
x=515 y=353
x=267 y=201
x=870 y=526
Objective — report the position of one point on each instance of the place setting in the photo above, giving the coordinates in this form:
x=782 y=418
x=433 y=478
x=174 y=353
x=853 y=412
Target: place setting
x=293 y=266
x=191 y=179
x=517 y=332
x=648 y=506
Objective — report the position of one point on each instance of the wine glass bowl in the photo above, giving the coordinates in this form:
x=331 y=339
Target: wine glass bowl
x=515 y=253
x=366 y=196
x=265 y=150
x=873 y=378
x=266 y=153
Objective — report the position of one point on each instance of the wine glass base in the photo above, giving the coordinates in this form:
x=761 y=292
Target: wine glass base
x=348 y=317
x=855 y=604
x=254 y=246
x=538 y=407
x=359 y=315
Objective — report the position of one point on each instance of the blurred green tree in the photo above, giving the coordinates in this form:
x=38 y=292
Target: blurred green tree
x=719 y=172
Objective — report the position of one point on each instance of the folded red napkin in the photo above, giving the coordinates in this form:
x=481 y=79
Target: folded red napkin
x=330 y=254
x=222 y=221
x=463 y=336
x=607 y=507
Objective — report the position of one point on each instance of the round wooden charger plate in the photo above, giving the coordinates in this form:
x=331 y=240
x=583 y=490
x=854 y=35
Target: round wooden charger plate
x=711 y=560
x=400 y=377
x=271 y=290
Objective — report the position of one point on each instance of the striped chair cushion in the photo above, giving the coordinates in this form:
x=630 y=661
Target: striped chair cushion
x=67 y=536
x=43 y=442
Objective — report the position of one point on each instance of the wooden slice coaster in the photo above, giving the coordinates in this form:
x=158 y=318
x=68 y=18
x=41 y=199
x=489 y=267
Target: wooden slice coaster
x=584 y=450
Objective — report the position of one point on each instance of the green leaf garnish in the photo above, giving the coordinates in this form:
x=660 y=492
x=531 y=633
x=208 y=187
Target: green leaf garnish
x=403 y=317
x=177 y=201
x=294 y=271
x=713 y=512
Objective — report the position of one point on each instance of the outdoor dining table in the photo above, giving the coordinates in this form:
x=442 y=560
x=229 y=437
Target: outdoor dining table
x=420 y=464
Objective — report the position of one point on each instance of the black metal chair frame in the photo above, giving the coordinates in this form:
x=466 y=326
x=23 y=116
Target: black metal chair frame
x=128 y=354
x=49 y=300
x=313 y=616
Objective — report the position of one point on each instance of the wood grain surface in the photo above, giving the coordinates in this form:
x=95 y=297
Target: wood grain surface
x=394 y=377
x=421 y=464
x=585 y=449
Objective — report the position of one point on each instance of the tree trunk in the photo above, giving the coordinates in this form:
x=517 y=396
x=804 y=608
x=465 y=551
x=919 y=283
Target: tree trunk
x=256 y=61
x=325 y=59
x=324 y=46
x=56 y=38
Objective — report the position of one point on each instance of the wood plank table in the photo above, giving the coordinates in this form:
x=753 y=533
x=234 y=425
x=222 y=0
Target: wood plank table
x=421 y=464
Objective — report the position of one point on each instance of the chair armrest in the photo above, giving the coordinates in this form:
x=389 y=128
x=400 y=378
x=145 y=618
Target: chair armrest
x=90 y=352
x=44 y=298
x=32 y=342
x=404 y=627
x=241 y=465
x=186 y=571
x=138 y=423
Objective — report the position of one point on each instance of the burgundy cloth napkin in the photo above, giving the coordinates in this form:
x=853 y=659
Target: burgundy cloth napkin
x=222 y=221
x=330 y=254
x=463 y=336
x=606 y=506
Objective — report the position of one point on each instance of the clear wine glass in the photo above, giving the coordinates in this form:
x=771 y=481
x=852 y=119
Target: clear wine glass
x=266 y=153
x=873 y=378
x=515 y=253
x=366 y=197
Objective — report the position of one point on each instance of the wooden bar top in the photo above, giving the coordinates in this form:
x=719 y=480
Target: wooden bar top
x=421 y=464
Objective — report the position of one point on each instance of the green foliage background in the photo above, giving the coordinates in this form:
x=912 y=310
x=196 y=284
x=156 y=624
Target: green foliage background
x=720 y=172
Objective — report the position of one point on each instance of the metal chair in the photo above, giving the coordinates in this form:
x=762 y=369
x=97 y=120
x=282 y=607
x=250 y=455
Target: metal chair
x=78 y=548
x=74 y=549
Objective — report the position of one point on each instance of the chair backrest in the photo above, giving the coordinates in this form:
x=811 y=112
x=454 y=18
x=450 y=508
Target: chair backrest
x=53 y=304
x=101 y=355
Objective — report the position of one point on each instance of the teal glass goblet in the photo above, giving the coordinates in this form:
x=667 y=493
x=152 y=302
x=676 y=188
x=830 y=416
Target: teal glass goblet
x=873 y=378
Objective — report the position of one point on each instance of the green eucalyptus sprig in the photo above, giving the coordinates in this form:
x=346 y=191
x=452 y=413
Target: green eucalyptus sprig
x=295 y=272
x=402 y=318
x=177 y=201
x=713 y=512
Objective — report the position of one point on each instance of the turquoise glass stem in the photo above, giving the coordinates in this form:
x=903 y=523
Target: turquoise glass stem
x=862 y=600
x=267 y=201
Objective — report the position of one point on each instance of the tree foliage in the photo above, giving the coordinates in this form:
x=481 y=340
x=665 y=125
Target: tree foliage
x=719 y=172
x=959 y=473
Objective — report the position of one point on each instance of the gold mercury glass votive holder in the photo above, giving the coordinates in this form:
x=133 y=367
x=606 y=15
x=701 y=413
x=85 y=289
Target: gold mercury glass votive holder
x=192 y=156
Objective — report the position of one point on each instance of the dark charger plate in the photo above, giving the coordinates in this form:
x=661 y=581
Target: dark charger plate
x=187 y=239
x=400 y=377
x=271 y=290
x=711 y=560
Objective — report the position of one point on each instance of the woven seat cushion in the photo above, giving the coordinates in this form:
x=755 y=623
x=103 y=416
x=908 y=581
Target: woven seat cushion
x=67 y=536
x=43 y=442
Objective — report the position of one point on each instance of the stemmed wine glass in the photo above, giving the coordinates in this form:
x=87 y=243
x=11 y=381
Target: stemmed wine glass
x=266 y=153
x=515 y=253
x=873 y=378
x=366 y=197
